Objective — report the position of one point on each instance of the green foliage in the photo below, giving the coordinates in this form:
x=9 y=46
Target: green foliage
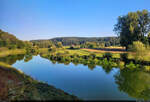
x=139 y=50
x=92 y=45
x=107 y=55
x=147 y=68
x=102 y=41
x=135 y=26
x=10 y=41
x=43 y=43
x=11 y=59
x=132 y=66
x=135 y=83
x=138 y=47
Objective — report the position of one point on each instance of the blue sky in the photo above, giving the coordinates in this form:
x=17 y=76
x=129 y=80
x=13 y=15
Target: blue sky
x=44 y=19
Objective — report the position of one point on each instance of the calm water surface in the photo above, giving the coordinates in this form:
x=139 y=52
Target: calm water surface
x=79 y=80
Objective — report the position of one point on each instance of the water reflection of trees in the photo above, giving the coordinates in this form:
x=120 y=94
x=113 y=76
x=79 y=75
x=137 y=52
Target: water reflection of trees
x=107 y=65
x=28 y=57
x=135 y=83
x=11 y=59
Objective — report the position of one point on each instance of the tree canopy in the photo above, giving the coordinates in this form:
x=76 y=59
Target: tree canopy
x=10 y=41
x=135 y=26
x=106 y=41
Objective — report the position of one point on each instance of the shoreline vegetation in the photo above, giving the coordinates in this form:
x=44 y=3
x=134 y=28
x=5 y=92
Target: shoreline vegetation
x=106 y=60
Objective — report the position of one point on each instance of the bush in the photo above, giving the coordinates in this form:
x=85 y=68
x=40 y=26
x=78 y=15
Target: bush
x=107 y=55
x=139 y=50
x=137 y=46
x=131 y=65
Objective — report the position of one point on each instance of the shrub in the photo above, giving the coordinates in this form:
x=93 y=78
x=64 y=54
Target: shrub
x=137 y=46
x=139 y=50
x=131 y=65
x=107 y=55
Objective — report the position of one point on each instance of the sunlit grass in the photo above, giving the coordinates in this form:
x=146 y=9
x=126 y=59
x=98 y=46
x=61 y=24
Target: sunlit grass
x=5 y=65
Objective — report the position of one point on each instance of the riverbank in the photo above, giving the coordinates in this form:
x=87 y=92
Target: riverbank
x=15 y=85
x=91 y=59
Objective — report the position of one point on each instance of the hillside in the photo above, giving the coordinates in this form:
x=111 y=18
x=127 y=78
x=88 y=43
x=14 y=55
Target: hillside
x=109 y=41
x=10 y=41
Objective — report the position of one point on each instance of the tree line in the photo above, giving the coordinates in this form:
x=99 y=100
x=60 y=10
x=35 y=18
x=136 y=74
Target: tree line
x=68 y=41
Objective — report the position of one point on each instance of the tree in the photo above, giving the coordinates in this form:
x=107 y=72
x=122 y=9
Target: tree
x=10 y=41
x=134 y=26
x=43 y=43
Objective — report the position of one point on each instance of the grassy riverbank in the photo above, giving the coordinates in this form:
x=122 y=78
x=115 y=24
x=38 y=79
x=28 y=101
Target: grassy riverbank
x=15 y=85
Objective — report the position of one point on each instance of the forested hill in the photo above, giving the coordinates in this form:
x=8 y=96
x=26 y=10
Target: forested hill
x=108 y=41
x=10 y=41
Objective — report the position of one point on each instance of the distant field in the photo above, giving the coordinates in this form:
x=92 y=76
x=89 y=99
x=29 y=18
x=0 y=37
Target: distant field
x=116 y=47
x=104 y=50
